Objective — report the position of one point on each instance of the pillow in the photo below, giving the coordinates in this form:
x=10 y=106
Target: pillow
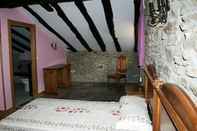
x=133 y=107
x=134 y=123
x=133 y=100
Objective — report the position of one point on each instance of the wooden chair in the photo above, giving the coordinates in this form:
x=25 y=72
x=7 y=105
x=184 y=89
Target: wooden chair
x=121 y=70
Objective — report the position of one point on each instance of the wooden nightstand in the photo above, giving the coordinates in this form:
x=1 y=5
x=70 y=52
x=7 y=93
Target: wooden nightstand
x=57 y=76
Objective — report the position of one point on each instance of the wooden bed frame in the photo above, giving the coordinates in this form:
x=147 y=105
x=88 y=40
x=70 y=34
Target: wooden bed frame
x=177 y=104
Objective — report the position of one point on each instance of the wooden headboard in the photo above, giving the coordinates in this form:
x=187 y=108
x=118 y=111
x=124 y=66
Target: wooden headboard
x=177 y=104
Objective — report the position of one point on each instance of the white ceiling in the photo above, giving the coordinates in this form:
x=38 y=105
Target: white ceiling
x=123 y=12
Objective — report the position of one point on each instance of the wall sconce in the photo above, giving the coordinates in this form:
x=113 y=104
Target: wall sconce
x=54 y=46
x=160 y=14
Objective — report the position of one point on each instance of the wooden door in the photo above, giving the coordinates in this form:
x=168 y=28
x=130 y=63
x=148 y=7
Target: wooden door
x=32 y=29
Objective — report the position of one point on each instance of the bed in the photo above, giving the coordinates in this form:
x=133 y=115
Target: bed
x=73 y=115
x=129 y=114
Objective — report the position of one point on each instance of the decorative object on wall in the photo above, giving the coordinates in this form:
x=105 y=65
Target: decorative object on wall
x=54 y=45
x=160 y=14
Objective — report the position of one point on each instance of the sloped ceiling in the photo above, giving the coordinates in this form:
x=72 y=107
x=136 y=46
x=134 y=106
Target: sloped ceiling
x=123 y=20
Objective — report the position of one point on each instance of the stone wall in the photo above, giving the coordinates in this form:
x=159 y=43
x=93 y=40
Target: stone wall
x=95 y=66
x=172 y=47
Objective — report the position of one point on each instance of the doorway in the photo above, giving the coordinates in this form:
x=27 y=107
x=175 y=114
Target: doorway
x=22 y=62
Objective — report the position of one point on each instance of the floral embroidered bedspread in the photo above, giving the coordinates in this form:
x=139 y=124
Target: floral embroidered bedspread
x=64 y=115
x=58 y=115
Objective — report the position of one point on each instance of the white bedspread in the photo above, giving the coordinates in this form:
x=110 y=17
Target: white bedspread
x=66 y=115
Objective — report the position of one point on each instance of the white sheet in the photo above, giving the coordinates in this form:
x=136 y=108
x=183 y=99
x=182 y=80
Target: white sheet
x=66 y=115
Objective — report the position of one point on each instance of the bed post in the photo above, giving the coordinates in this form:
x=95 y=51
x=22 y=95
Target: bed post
x=156 y=106
x=146 y=88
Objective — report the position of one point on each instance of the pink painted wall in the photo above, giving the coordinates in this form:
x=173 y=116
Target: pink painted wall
x=46 y=56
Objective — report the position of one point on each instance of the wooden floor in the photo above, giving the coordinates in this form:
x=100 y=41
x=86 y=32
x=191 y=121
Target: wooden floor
x=97 y=92
x=134 y=89
x=6 y=113
x=1 y=115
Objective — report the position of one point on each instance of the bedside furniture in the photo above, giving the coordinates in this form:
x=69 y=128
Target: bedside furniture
x=57 y=76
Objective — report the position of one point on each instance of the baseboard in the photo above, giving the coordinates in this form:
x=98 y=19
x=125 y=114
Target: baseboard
x=89 y=84
x=41 y=93
x=4 y=114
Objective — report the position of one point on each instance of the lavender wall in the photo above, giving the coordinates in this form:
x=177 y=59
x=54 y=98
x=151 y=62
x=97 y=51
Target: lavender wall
x=45 y=54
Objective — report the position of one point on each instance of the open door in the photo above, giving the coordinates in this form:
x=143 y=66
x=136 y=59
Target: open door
x=22 y=62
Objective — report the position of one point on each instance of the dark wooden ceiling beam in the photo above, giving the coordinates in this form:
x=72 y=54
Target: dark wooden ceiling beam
x=94 y=30
x=109 y=19
x=48 y=27
x=20 y=3
x=21 y=45
x=47 y=7
x=15 y=32
x=63 y=16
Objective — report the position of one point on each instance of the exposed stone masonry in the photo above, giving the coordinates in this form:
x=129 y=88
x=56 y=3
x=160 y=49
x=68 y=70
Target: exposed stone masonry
x=95 y=66
x=172 y=47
